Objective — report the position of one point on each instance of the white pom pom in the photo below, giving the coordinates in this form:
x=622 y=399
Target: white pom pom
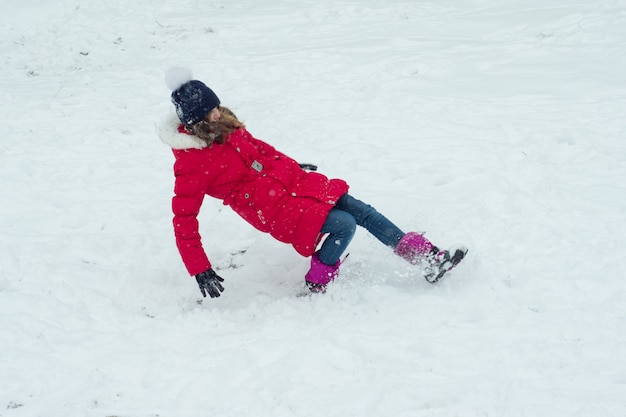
x=177 y=76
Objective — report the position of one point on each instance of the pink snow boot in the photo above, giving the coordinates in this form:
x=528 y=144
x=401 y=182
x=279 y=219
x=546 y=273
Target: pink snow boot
x=320 y=274
x=418 y=250
x=414 y=247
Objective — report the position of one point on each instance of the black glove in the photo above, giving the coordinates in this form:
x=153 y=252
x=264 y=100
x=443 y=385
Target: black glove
x=308 y=167
x=209 y=281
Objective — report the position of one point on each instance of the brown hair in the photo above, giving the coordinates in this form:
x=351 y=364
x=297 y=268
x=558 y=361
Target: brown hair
x=216 y=132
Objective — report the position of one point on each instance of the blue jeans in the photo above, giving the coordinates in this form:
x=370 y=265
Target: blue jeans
x=341 y=224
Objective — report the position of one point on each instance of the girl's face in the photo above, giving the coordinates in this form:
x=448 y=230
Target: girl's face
x=214 y=115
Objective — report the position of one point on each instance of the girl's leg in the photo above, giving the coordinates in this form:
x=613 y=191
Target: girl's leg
x=369 y=218
x=340 y=227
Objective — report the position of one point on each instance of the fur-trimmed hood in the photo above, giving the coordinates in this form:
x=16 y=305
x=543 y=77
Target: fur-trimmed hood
x=169 y=134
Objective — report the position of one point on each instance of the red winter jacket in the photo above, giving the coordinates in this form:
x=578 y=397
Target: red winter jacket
x=265 y=187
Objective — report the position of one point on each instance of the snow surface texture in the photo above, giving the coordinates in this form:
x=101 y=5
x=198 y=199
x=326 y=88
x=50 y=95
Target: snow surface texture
x=500 y=125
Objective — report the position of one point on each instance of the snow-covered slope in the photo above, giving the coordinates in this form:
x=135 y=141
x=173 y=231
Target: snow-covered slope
x=500 y=125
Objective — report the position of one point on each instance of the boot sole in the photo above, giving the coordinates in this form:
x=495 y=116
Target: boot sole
x=447 y=265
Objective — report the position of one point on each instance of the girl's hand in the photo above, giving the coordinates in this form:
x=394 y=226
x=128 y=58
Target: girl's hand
x=210 y=282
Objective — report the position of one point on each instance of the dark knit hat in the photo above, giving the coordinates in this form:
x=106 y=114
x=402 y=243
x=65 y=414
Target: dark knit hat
x=193 y=101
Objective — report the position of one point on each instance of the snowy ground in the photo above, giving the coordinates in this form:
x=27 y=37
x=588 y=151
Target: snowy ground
x=500 y=125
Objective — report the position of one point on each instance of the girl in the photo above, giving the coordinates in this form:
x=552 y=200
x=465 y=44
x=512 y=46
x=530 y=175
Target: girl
x=217 y=156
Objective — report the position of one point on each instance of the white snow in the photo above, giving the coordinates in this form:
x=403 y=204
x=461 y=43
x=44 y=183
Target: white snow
x=499 y=125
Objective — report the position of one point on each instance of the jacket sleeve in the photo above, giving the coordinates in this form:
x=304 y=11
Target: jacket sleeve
x=186 y=205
